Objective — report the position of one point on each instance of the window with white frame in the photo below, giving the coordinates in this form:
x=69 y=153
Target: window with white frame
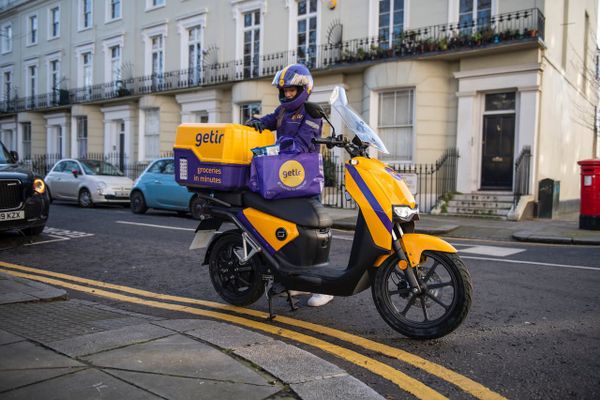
x=152 y=4
x=54 y=81
x=85 y=14
x=82 y=136
x=251 y=43
x=156 y=3
x=391 y=20
x=115 y=9
x=31 y=84
x=152 y=133
x=26 y=140
x=6 y=35
x=194 y=54
x=86 y=73
x=200 y=116
x=115 y=63
x=158 y=61
x=307 y=32
x=249 y=110
x=32 y=29
x=395 y=123
x=474 y=11
x=6 y=85
x=54 y=22
x=8 y=138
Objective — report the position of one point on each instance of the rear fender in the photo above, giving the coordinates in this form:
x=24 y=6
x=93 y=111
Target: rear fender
x=414 y=244
x=213 y=240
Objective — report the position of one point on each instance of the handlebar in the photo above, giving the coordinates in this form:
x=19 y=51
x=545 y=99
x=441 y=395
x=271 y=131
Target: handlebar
x=331 y=141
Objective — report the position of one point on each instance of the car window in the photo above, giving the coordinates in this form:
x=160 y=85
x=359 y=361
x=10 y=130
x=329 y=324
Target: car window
x=71 y=166
x=157 y=167
x=60 y=167
x=95 y=167
x=169 y=168
x=5 y=157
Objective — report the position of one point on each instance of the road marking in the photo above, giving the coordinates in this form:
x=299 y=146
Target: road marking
x=466 y=384
x=405 y=382
x=532 y=263
x=66 y=233
x=492 y=251
x=156 y=226
x=56 y=239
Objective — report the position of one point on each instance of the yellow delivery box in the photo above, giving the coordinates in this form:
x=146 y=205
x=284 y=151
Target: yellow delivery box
x=216 y=156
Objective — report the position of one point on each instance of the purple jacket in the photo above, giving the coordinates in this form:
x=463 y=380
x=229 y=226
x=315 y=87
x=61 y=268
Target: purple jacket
x=295 y=129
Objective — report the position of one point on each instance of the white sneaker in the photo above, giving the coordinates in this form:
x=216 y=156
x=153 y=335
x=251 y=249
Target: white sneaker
x=318 y=300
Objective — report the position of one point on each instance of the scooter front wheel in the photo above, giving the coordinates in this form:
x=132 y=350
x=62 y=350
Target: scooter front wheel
x=441 y=306
x=238 y=284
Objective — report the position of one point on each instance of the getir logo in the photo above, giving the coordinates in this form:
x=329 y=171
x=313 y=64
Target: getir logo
x=212 y=137
x=291 y=173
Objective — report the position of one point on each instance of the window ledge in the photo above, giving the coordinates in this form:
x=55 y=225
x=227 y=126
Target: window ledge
x=152 y=8
x=81 y=29
x=110 y=21
x=31 y=44
x=53 y=38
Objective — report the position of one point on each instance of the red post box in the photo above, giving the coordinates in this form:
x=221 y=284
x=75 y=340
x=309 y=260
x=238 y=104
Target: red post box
x=589 y=216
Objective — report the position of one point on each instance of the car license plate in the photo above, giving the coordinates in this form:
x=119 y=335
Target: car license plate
x=12 y=215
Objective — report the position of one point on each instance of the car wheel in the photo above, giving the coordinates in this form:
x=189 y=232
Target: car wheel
x=34 y=230
x=85 y=199
x=197 y=207
x=138 y=203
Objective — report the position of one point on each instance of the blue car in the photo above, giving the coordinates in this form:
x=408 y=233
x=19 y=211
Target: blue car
x=156 y=188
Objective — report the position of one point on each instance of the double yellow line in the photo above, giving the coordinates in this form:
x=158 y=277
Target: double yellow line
x=403 y=381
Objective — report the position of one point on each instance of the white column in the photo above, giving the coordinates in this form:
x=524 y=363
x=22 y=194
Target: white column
x=465 y=139
x=527 y=129
x=141 y=127
x=74 y=137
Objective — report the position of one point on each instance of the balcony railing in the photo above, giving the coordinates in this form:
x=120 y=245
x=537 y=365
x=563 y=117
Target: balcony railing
x=436 y=40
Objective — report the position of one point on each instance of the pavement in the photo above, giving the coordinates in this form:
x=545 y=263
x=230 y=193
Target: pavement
x=55 y=347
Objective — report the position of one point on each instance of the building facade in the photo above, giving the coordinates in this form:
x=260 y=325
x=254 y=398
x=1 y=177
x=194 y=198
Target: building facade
x=508 y=83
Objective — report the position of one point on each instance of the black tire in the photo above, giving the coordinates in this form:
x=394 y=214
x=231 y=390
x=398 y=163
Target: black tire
x=240 y=285
x=197 y=207
x=85 y=199
x=34 y=230
x=433 y=313
x=138 y=203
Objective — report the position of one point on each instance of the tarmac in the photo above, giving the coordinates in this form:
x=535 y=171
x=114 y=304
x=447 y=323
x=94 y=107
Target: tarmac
x=55 y=347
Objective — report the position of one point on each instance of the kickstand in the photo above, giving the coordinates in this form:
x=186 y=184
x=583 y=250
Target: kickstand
x=291 y=301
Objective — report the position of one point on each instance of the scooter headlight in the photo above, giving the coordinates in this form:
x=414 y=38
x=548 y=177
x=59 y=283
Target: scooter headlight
x=405 y=213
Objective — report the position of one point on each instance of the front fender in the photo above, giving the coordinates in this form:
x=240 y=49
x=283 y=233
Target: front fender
x=414 y=244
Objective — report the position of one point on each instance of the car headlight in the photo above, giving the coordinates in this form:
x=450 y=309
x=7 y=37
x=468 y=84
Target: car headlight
x=100 y=186
x=405 y=213
x=39 y=186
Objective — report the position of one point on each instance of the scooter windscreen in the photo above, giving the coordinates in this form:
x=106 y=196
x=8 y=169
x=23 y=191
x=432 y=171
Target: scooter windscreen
x=339 y=102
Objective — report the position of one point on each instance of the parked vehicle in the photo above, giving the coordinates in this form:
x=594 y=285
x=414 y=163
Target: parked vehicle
x=419 y=284
x=24 y=201
x=156 y=188
x=88 y=182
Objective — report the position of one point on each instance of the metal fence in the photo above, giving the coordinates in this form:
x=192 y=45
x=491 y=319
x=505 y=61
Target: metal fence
x=433 y=180
x=43 y=163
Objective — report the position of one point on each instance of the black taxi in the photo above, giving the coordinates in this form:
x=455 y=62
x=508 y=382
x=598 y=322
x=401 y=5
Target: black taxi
x=24 y=200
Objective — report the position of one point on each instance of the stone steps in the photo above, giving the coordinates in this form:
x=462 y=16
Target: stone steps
x=480 y=204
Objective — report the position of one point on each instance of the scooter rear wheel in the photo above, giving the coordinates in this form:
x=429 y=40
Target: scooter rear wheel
x=438 y=310
x=237 y=284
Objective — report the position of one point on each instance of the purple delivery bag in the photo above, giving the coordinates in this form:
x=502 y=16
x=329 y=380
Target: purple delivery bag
x=287 y=175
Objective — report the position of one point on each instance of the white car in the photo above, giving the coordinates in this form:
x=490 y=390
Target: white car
x=88 y=182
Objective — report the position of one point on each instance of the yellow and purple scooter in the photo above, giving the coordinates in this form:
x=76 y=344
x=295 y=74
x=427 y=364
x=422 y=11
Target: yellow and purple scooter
x=419 y=284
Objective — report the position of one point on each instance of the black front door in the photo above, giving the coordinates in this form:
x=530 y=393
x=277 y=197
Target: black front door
x=498 y=152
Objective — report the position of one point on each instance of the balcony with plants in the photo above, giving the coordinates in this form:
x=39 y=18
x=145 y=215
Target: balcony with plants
x=502 y=32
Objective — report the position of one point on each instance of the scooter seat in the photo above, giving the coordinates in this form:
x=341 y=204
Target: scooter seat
x=306 y=212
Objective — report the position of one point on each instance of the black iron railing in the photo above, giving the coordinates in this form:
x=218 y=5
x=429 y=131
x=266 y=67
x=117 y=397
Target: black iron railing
x=498 y=30
x=522 y=174
x=43 y=163
x=433 y=181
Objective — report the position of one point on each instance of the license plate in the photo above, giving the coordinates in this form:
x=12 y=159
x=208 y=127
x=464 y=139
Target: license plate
x=12 y=215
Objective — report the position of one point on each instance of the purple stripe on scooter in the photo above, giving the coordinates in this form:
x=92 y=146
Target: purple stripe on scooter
x=362 y=185
x=248 y=225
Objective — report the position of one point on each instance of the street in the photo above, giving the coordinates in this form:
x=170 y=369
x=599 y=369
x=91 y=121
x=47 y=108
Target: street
x=533 y=330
